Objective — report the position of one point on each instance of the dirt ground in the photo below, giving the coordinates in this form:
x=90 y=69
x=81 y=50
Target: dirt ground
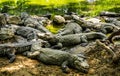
x=99 y=61
x=24 y=66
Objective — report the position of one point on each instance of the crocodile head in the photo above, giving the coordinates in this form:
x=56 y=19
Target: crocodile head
x=52 y=39
x=81 y=64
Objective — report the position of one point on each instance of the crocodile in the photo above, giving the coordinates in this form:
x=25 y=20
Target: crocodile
x=61 y=58
x=10 y=49
x=70 y=28
x=6 y=33
x=27 y=20
x=99 y=27
x=27 y=32
x=72 y=39
x=109 y=14
x=113 y=35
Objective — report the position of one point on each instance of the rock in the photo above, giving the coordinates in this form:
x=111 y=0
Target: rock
x=58 y=19
x=13 y=20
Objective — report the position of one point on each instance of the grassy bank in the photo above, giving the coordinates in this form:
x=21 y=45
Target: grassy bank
x=59 y=6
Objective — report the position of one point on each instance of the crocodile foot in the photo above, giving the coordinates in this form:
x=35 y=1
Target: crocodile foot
x=12 y=58
x=65 y=69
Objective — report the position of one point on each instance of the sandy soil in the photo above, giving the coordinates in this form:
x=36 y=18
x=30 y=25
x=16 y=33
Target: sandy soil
x=24 y=66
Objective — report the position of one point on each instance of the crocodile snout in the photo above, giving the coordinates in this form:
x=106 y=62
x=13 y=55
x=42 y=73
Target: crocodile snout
x=85 y=65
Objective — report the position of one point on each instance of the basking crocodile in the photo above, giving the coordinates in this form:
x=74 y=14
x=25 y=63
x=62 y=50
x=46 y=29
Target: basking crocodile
x=27 y=20
x=101 y=27
x=113 y=35
x=27 y=32
x=9 y=49
x=6 y=33
x=70 y=28
x=60 y=58
x=72 y=39
x=109 y=14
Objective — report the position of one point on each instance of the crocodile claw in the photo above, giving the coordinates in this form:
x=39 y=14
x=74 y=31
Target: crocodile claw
x=12 y=59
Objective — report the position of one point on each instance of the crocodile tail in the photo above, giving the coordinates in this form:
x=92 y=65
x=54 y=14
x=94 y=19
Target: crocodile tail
x=95 y=35
x=111 y=37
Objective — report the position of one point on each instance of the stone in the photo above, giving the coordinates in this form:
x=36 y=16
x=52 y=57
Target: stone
x=58 y=19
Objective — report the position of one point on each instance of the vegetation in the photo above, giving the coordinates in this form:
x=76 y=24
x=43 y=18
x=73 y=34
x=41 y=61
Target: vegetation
x=58 y=6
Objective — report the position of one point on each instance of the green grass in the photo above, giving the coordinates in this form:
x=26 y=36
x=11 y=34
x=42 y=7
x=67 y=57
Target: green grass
x=47 y=2
x=48 y=6
x=54 y=28
x=79 y=6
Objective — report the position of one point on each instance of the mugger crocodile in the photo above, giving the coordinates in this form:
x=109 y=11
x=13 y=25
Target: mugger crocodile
x=10 y=49
x=72 y=39
x=61 y=58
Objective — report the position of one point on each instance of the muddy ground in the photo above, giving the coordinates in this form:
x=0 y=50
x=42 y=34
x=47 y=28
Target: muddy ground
x=99 y=61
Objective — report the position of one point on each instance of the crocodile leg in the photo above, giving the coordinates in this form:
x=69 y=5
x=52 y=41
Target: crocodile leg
x=32 y=54
x=63 y=33
x=64 y=67
x=58 y=46
x=11 y=55
x=84 y=41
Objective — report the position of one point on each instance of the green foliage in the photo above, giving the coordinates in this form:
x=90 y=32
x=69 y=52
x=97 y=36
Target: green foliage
x=13 y=7
x=54 y=28
x=105 y=5
x=59 y=6
x=22 y=5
